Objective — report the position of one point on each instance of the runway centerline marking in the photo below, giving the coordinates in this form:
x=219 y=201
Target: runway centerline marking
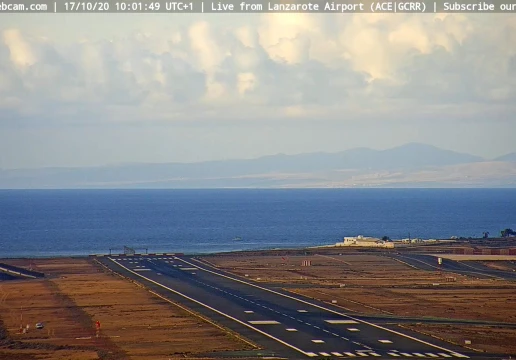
x=217 y=311
x=385 y=341
x=263 y=322
x=353 y=329
x=321 y=307
x=318 y=341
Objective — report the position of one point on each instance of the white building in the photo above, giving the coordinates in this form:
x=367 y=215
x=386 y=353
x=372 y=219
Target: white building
x=365 y=241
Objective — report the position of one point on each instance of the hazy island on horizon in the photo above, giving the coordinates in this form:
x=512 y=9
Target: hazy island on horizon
x=411 y=165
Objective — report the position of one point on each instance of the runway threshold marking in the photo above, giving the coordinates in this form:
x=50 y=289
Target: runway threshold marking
x=444 y=355
x=432 y=355
x=393 y=354
x=337 y=354
x=310 y=354
x=321 y=307
x=350 y=354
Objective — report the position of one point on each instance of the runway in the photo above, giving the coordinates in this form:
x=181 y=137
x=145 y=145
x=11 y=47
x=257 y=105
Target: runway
x=288 y=325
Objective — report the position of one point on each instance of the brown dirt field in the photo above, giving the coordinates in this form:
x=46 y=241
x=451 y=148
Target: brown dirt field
x=488 y=339
x=135 y=324
x=24 y=354
x=357 y=270
x=470 y=304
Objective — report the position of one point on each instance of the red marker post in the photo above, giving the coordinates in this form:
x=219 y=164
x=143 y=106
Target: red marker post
x=97 y=326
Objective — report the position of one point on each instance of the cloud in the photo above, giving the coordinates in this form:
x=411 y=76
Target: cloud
x=310 y=66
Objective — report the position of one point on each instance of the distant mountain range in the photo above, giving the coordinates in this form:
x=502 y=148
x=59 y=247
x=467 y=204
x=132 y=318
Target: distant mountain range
x=509 y=157
x=410 y=165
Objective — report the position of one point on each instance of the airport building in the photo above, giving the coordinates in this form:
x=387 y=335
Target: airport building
x=365 y=241
x=417 y=241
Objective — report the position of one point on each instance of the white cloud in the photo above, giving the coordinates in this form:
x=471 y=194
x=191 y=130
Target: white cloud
x=278 y=65
x=20 y=50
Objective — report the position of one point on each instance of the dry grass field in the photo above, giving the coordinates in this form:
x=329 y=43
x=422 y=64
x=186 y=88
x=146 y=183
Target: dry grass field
x=134 y=323
x=371 y=284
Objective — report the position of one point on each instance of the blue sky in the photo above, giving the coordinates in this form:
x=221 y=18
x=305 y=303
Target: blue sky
x=83 y=90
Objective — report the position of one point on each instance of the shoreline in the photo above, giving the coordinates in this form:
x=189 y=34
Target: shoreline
x=425 y=246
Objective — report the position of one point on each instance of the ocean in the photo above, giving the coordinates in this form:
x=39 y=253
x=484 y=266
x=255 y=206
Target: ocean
x=44 y=223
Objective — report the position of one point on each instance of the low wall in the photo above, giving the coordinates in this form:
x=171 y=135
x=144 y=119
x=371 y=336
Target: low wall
x=470 y=251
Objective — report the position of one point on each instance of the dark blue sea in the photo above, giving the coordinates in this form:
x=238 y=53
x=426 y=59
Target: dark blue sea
x=80 y=222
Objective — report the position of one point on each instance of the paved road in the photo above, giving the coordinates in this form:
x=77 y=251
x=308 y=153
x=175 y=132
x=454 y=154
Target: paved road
x=6 y=276
x=287 y=325
x=20 y=272
x=469 y=268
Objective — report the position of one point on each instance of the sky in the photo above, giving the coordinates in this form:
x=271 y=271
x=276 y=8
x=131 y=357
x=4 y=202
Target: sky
x=88 y=89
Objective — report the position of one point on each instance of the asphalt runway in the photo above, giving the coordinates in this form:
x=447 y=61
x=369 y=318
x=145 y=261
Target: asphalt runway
x=470 y=268
x=290 y=326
